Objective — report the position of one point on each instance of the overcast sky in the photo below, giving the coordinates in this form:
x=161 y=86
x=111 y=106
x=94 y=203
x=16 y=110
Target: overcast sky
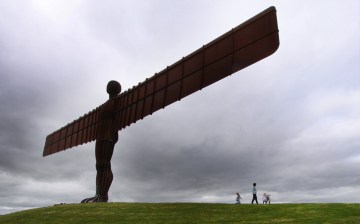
x=290 y=123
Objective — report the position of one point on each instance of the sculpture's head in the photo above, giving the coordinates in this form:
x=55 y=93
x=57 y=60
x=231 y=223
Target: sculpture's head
x=113 y=88
x=254 y=184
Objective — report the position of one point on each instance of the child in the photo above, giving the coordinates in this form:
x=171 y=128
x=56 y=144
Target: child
x=266 y=198
x=238 y=198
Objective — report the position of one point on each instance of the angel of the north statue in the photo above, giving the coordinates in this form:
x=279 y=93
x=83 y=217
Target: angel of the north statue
x=251 y=41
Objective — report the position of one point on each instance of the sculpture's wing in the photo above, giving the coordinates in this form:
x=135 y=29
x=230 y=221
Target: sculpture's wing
x=78 y=132
x=244 y=45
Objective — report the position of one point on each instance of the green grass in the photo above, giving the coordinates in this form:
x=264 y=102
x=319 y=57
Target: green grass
x=188 y=213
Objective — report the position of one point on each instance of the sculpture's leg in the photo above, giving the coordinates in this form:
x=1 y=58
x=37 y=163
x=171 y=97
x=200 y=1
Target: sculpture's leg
x=104 y=176
x=103 y=152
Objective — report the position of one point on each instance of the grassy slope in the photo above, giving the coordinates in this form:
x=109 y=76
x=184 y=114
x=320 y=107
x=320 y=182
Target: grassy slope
x=188 y=213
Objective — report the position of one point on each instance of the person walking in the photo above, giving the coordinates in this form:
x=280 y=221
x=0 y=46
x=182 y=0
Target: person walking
x=254 y=194
x=238 y=198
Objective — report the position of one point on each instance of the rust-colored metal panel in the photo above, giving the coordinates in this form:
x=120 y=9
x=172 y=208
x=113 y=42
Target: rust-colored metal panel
x=132 y=113
x=135 y=99
x=142 y=89
x=74 y=139
x=194 y=63
x=174 y=73
x=62 y=144
x=158 y=101
x=76 y=125
x=147 y=105
x=49 y=140
x=86 y=120
x=244 y=45
x=86 y=127
x=63 y=133
x=218 y=50
x=123 y=112
x=173 y=93
x=120 y=114
x=160 y=81
x=81 y=123
x=139 y=110
x=128 y=108
x=216 y=71
x=93 y=133
x=54 y=148
x=192 y=83
x=79 y=138
x=56 y=136
x=68 y=142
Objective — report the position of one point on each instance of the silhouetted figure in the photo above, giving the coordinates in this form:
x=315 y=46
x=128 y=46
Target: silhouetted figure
x=254 y=194
x=238 y=198
x=106 y=139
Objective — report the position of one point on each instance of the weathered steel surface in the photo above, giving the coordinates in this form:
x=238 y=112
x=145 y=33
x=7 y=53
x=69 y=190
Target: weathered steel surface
x=244 y=45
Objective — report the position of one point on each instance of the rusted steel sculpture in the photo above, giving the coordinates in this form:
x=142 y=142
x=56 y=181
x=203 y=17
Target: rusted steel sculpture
x=251 y=41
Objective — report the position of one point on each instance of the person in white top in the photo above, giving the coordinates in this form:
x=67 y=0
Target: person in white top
x=238 y=198
x=254 y=194
x=266 y=198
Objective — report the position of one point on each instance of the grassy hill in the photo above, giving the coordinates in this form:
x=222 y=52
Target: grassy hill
x=188 y=213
